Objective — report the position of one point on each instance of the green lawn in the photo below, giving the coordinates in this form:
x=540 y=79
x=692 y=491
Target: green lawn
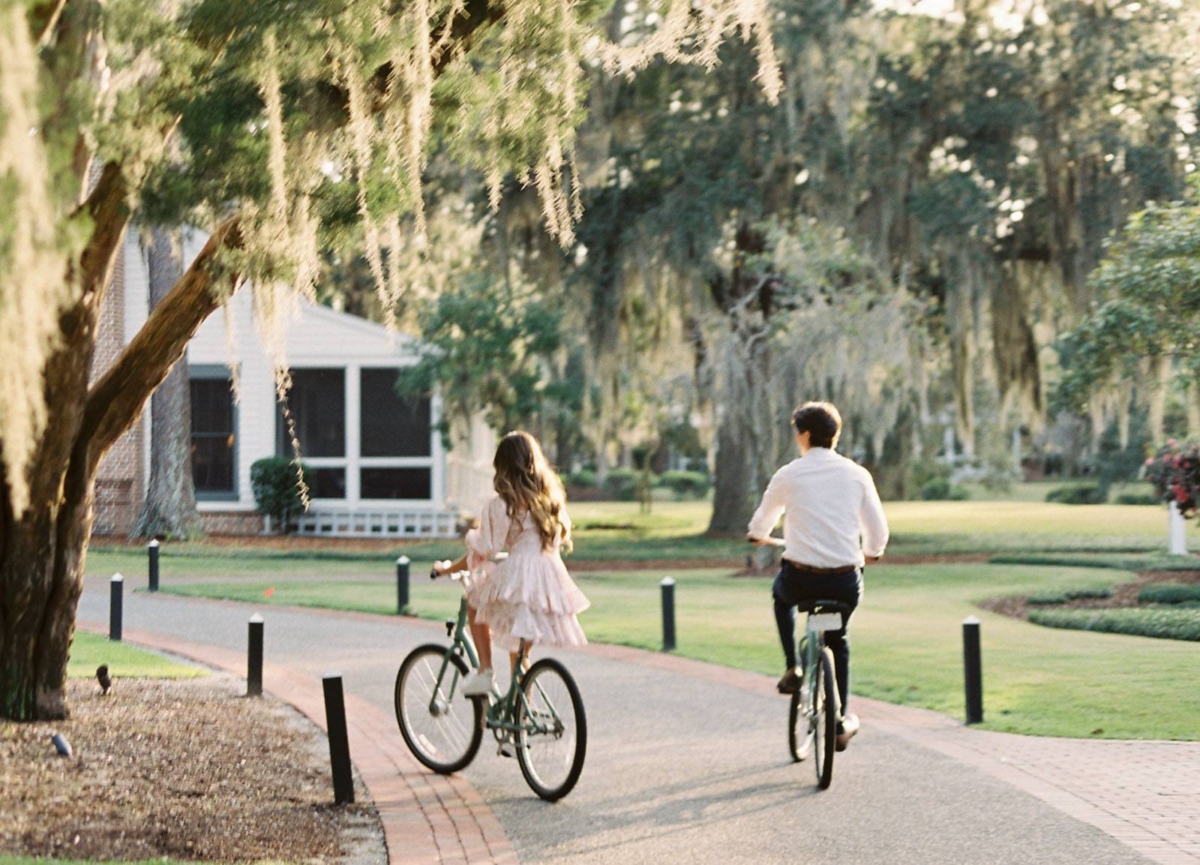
x=609 y=531
x=907 y=637
x=907 y=640
x=89 y=651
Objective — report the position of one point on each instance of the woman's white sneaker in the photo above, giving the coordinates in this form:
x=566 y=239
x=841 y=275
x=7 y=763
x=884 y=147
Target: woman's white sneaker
x=479 y=685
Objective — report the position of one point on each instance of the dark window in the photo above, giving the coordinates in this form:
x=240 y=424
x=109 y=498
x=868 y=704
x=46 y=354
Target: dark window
x=317 y=402
x=213 y=437
x=392 y=426
x=326 y=483
x=395 y=483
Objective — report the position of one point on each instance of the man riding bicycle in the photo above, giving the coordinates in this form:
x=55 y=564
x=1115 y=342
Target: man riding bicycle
x=833 y=524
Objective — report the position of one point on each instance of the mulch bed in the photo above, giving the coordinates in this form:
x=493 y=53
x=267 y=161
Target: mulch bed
x=185 y=769
x=1123 y=595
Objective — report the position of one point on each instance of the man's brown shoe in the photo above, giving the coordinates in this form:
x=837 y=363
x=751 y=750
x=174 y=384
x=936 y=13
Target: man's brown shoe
x=846 y=731
x=789 y=683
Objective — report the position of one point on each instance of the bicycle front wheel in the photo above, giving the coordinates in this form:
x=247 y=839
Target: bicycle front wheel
x=552 y=739
x=441 y=727
x=825 y=712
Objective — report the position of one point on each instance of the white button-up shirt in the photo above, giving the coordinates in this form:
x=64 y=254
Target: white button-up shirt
x=834 y=515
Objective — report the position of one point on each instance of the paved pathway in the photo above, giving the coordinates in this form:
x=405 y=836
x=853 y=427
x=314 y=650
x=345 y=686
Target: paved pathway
x=687 y=762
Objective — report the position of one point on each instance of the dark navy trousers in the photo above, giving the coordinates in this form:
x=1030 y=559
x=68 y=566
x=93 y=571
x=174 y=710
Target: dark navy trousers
x=795 y=587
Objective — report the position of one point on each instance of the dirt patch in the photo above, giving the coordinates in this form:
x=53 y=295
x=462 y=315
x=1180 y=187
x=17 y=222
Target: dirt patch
x=180 y=769
x=1123 y=595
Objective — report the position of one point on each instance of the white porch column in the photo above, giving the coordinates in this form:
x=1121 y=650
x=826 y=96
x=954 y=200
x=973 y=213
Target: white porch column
x=353 y=432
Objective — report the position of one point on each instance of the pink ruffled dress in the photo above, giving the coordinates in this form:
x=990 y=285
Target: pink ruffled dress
x=529 y=595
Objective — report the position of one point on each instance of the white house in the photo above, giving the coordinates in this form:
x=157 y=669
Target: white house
x=377 y=464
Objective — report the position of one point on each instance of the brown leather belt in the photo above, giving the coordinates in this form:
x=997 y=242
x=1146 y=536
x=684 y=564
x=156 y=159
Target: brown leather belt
x=820 y=572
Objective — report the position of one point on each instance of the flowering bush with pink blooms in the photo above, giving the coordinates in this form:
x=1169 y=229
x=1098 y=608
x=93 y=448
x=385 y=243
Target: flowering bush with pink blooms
x=1174 y=473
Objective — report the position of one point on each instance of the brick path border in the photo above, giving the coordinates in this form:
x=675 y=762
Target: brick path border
x=426 y=817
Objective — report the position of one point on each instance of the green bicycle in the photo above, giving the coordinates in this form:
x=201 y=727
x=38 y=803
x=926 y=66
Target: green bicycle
x=815 y=710
x=540 y=716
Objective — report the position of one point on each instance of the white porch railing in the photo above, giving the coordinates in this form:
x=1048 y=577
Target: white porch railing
x=368 y=523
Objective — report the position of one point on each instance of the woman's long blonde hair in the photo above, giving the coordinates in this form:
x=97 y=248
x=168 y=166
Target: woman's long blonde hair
x=526 y=483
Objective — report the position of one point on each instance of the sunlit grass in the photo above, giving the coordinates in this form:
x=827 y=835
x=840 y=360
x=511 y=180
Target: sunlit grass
x=89 y=651
x=673 y=531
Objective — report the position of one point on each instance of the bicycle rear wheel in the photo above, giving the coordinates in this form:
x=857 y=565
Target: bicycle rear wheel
x=443 y=732
x=800 y=727
x=552 y=741
x=825 y=712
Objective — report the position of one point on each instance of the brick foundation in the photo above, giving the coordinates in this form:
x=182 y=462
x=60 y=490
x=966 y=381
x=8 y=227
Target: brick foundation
x=232 y=522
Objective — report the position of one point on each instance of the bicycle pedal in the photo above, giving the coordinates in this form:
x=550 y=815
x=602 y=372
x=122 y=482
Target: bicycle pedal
x=506 y=749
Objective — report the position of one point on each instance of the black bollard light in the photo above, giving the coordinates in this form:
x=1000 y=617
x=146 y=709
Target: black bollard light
x=254 y=657
x=668 y=613
x=402 y=564
x=153 y=552
x=116 y=603
x=339 y=743
x=972 y=670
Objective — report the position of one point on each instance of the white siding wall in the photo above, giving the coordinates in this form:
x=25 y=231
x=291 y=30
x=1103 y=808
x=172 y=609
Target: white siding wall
x=315 y=337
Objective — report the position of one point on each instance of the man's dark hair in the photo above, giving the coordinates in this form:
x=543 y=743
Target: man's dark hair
x=821 y=420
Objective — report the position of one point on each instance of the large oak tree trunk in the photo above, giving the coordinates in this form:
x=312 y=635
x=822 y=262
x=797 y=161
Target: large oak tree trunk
x=733 y=498
x=170 y=507
x=746 y=448
x=44 y=548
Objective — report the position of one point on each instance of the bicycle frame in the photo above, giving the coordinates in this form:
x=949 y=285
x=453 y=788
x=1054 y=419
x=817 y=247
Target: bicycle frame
x=502 y=712
x=814 y=641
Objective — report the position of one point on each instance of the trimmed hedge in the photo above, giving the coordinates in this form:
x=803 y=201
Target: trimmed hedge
x=1078 y=494
x=941 y=490
x=685 y=484
x=1159 y=622
x=1138 y=499
x=1061 y=596
x=1169 y=593
x=622 y=484
x=275 y=482
x=583 y=478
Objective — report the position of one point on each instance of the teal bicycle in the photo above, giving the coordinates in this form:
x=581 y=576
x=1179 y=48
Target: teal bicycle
x=815 y=710
x=540 y=717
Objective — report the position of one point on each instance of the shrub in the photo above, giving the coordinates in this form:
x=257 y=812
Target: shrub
x=1080 y=494
x=1169 y=593
x=940 y=489
x=276 y=485
x=622 y=484
x=686 y=484
x=1159 y=622
x=1174 y=472
x=1138 y=499
x=582 y=478
x=1061 y=596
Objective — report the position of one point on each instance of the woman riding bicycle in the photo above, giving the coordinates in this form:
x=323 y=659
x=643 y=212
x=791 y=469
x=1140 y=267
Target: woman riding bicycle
x=529 y=595
x=833 y=524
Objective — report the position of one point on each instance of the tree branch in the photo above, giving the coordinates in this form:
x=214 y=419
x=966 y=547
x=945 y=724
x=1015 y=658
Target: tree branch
x=43 y=18
x=116 y=400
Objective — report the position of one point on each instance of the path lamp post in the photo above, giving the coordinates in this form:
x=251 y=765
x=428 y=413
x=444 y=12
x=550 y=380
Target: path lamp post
x=972 y=670
x=116 y=603
x=402 y=565
x=254 y=657
x=152 y=550
x=668 y=613
x=339 y=742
